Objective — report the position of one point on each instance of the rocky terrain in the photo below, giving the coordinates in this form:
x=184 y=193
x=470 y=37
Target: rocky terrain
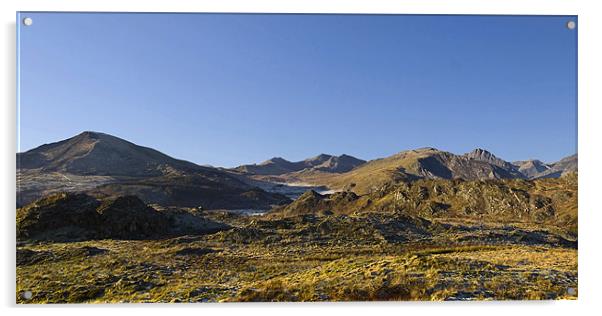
x=424 y=224
x=322 y=257
x=550 y=201
x=425 y=240
x=427 y=163
x=76 y=216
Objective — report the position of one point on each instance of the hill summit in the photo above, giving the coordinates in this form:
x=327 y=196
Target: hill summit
x=322 y=162
x=94 y=153
x=105 y=166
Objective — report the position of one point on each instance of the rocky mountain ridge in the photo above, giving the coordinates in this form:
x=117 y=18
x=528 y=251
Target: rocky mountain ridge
x=428 y=163
x=103 y=166
x=322 y=162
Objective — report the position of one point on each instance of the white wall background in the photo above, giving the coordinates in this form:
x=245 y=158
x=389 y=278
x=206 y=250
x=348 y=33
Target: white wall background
x=590 y=138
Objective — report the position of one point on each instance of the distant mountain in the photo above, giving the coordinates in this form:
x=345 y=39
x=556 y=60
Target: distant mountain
x=105 y=166
x=338 y=164
x=322 y=162
x=427 y=163
x=535 y=169
x=274 y=166
x=531 y=168
x=560 y=168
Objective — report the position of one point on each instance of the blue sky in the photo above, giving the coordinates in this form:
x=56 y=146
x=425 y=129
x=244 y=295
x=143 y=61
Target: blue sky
x=228 y=89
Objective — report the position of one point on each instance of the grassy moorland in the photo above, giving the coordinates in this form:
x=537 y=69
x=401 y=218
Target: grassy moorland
x=424 y=240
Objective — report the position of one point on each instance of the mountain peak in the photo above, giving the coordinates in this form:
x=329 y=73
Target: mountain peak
x=336 y=164
x=90 y=134
x=99 y=154
x=480 y=153
x=484 y=155
x=323 y=156
x=94 y=136
x=317 y=159
x=275 y=160
x=531 y=168
x=426 y=149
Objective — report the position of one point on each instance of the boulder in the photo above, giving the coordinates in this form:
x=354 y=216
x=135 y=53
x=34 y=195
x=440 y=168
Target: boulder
x=127 y=217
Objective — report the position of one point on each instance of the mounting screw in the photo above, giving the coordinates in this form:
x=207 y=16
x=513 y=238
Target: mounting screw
x=571 y=25
x=27 y=21
x=27 y=295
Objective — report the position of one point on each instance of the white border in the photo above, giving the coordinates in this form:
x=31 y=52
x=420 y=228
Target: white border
x=589 y=147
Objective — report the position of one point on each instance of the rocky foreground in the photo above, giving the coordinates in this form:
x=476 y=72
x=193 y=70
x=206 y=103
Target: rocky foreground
x=426 y=240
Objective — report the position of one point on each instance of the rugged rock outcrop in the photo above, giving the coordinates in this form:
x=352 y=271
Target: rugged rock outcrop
x=61 y=216
x=127 y=217
x=312 y=202
x=76 y=216
x=551 y=201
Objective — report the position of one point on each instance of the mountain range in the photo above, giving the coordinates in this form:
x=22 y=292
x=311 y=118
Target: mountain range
x=422 y=163
x=103 y=165
x=322 y=162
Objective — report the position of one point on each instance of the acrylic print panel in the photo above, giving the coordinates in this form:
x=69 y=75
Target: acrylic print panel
x=283 y=157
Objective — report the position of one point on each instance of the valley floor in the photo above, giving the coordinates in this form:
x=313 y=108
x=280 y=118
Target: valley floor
x=307 y=258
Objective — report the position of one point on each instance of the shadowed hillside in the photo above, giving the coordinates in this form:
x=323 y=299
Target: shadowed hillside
x=105 y=166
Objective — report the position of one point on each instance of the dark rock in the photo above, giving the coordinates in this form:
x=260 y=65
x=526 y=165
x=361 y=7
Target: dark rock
x=129 y=218
x=73 y=217
x=59 y=216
